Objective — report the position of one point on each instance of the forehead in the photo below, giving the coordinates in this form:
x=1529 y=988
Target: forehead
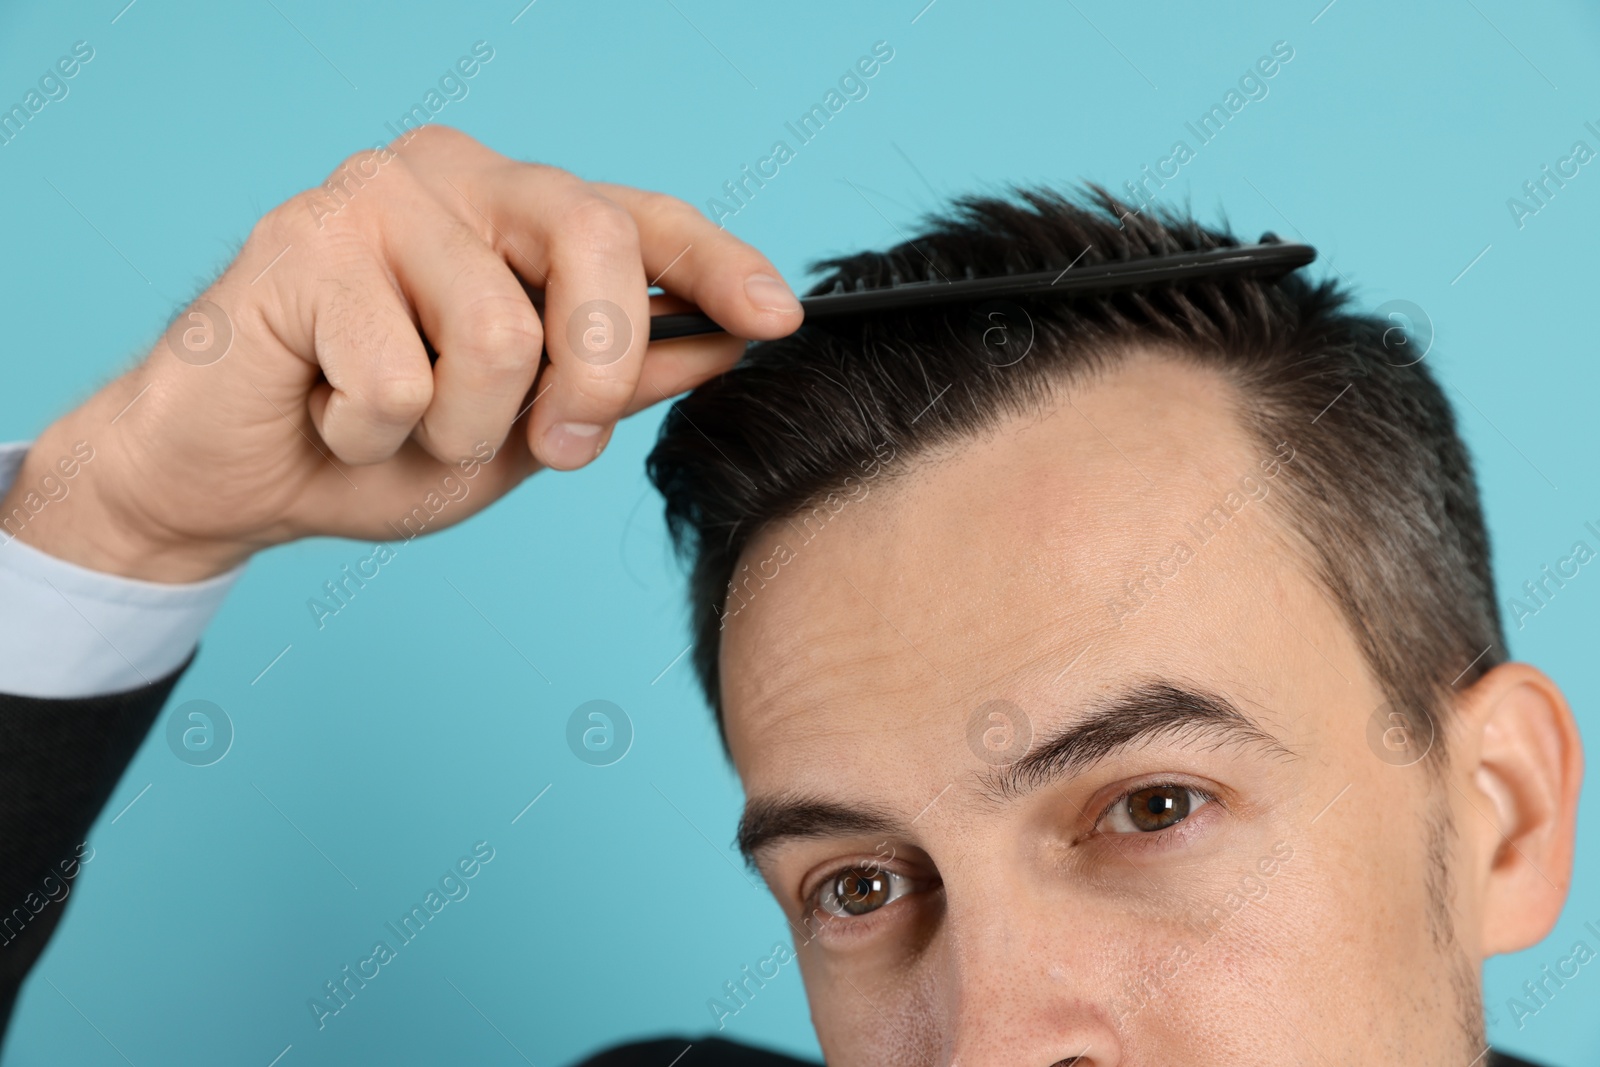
x=1134 y=527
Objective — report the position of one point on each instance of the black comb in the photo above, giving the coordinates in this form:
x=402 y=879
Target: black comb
x=1270 y=258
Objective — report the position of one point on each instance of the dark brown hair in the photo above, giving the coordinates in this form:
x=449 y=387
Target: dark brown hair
x=1382 y=501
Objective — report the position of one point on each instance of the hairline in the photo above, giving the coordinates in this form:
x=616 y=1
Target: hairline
x=1287 y=524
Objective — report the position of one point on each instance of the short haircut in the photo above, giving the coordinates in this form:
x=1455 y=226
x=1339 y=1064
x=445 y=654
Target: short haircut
x=1381 y=500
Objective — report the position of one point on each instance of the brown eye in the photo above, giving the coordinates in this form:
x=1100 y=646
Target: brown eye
x=1155 y=807
x=859 y=890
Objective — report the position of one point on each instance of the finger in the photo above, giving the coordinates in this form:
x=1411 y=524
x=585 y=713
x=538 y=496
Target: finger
x=676 y=366
x=596 y=316
x=378 y=379
x=480 y=320
x=689 y=256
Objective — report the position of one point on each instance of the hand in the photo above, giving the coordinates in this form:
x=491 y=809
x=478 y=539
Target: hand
x=295 y=397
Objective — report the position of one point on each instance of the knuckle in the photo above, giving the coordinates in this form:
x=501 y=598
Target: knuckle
x=602 y=392
x=311 y=211
x=345 y=184
x=400 y=398
x=362 y=165
x=428 y=135
x=501 y=338
x=669 y=209
x=598 y=223
x=550 y=175
x=292 y=217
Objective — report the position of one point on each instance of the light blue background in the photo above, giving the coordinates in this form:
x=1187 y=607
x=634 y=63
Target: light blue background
x=410 y=727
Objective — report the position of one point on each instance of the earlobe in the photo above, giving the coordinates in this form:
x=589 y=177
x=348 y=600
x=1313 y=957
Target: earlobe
x=1515 y=777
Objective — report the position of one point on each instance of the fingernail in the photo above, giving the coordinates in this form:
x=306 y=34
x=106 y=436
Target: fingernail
x=770 y=293
x=571 y=444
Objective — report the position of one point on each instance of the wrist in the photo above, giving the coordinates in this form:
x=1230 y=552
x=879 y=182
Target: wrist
x=66 y=501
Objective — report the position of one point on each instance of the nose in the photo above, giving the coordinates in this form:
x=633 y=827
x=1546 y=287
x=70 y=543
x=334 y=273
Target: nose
x=1013 y=998
x=1066 y=1035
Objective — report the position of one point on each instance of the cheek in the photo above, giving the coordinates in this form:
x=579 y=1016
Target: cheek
x=1231 y=981
x=885 y=1022
x=1337 y=937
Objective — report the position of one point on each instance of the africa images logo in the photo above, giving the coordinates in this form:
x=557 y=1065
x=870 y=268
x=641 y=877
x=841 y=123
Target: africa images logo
x=599 y=332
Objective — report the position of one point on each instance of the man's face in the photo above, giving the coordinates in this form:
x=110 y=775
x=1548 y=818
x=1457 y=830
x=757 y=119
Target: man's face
x=1058 y=751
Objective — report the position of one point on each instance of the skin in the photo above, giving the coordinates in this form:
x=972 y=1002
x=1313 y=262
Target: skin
x=975 y=575
x=1031 y=916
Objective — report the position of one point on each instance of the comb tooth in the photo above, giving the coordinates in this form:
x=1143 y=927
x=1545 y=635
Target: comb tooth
x=894 y=276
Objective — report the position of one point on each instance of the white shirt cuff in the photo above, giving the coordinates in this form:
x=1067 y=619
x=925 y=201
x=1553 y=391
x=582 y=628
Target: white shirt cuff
x=68 y=631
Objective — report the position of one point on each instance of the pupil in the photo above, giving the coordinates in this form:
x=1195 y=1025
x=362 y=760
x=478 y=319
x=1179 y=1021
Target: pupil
x=862 y=891
x=1159 y=807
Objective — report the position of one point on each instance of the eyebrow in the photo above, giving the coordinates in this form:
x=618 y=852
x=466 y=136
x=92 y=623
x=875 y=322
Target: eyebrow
x=768 y=820
x=1133 y=716
x=1154 y=710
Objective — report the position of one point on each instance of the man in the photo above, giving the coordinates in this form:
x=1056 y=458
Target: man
x=1112 y=682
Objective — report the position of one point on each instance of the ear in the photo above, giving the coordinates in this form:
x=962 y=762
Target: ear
x=1518 y=763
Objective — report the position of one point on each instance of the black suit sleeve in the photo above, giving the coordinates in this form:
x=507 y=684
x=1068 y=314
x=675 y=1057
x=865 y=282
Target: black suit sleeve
x=59 y=762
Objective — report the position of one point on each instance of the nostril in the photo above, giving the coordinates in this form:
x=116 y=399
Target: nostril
x=1071 y=1061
